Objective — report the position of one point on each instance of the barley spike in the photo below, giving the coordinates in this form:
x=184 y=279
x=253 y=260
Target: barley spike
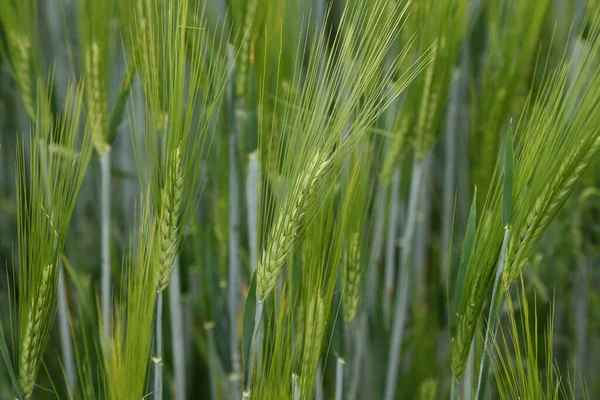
x=23 y=73
x=289 y=223
x=545 y=209
x=30 y=356
x=171 y=207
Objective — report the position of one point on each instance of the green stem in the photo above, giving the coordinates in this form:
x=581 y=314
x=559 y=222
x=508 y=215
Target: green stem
x=253 y=347
x=105 y=239
x=66 y=345
x=237 y=107
x=339 y=379
x=402 y=286
x=319 y=382
x=492 y=321
x=455 y=388
x=158 y=362
x=213 y=366
x=252 y=192
x=391 y=245
x=177 y=339
x=468 y=375
x=449 y=176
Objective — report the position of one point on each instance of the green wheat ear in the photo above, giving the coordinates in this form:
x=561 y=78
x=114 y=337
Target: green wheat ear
x=554 y=195
x=31 y=346
x=96 y=98
x=558 y=136
x=19 y=20
x=169 y=221
x=290 y=222
x=127 y=351
x=48 y=182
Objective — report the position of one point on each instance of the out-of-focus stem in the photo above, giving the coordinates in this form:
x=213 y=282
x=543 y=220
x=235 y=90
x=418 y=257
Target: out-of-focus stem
x=391 y=245
x=339 y=379
x=252 y=190
x=403 y=282
x=66 y=345
x=319 y=382
x=449 y=176
x=213 y=365
x=105 y=238
x=236 y=106
x=253 y=348
x=158 y=361
x=359 y=349
x=422 y=233
x=376 y=247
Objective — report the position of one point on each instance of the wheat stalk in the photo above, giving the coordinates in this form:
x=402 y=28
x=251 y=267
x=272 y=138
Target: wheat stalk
x=290 y=221
x=29 y=358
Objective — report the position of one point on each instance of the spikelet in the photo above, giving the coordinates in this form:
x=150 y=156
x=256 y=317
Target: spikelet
x=96 y=98
x=169 y=220
x=290 y=221
x=397 y=149
x=22 y=70
x=546 y=207
x=30 y=356
x=351 y=275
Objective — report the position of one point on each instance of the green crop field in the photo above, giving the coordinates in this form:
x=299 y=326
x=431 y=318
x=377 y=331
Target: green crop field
x=299 y=199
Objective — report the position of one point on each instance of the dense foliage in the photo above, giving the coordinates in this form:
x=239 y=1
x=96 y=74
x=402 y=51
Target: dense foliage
x=290 y=199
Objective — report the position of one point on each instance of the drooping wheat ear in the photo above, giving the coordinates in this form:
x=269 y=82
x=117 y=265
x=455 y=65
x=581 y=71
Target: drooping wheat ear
x=23 y=74
x=95 y=95
x=290 y=221
x=397 y=149
x=169 y=220
x=351 y=274
x=30 y=356
x=546 y=207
